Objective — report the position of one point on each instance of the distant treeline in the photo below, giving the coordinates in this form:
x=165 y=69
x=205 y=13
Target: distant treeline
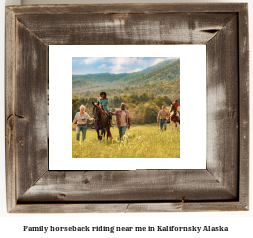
x=143 y=108
x=170 y=88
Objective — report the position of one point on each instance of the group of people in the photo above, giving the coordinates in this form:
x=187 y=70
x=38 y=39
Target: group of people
x=122 y=117
x=164 y=115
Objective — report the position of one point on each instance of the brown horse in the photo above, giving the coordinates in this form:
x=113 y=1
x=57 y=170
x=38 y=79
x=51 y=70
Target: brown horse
x=174 y=117
x=102 y=121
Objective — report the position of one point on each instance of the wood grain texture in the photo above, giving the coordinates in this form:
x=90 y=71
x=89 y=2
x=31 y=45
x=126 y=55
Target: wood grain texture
x=223 y=186
x=155 y=8
x=244 y=106
x=139 y=185
x=123 y=29
x=223 y=108
x=9 y=109
x=129 y=207
x=30 y=108
x=186 y=207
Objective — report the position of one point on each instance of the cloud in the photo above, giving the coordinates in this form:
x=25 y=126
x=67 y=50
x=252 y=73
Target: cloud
x=134 y=64
x=157 y=60
x=137 y=70
x=114 y=65
x=103 y=66
x=90 y=60
x=127 y=64
x=123 y=60
x=116 y=69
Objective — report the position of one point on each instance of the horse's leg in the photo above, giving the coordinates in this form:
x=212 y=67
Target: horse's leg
x=172 y=125
x=99 y=137
x=103 y=134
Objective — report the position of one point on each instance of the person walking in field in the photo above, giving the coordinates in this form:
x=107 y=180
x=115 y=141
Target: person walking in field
x=162 y=118
x=123 y=119
x=81 y=118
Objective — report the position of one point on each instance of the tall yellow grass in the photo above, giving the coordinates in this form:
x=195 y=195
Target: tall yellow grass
x=141 y=141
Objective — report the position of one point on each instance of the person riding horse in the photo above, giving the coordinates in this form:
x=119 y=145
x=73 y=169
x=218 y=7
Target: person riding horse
x=174 y=116
x=174 y=112
x=102 y=121
x=104 y=105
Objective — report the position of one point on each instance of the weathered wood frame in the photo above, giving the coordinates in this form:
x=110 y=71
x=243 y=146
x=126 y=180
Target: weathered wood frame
x=223 y=186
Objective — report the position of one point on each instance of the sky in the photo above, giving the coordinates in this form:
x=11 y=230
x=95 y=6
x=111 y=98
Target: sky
x=113 y=65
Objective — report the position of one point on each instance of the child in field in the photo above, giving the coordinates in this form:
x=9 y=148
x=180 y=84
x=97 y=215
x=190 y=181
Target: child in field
x=104 y=103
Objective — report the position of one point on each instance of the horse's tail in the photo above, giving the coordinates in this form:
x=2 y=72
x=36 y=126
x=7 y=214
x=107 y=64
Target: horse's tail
x=110 y=135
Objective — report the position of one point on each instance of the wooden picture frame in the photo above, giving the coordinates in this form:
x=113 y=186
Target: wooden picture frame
x=222 y=186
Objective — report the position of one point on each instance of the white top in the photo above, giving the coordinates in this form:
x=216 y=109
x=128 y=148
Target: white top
x=82 y=119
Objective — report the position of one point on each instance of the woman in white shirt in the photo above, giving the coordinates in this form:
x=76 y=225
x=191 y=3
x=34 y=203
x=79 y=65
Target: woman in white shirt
x=81 y=118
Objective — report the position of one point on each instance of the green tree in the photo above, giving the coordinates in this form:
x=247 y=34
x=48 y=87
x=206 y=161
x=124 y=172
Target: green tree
x=144 y=97
x=150 y=115
x=160 y=101
x=151 y=96
x=75 y=106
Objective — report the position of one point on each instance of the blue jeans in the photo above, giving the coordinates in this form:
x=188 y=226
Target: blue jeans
x=122 y=131
x=110 y=115
x=83 y=129
x=163 y=123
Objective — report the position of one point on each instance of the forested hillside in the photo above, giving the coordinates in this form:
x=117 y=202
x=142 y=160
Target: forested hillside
x=161 y=79
x=144 y=92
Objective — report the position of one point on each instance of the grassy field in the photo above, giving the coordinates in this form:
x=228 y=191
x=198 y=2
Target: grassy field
x=141 y=141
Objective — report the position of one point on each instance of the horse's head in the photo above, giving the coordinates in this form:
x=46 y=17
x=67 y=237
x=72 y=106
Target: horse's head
x=96 y=110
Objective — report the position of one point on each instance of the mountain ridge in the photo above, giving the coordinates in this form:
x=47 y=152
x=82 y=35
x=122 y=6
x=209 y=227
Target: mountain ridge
x=160 y=77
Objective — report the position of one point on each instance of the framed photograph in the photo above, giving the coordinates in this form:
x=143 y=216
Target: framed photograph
x=129 y=71
x=148 y=86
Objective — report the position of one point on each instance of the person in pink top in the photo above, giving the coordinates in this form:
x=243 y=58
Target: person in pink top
x=123 y=119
